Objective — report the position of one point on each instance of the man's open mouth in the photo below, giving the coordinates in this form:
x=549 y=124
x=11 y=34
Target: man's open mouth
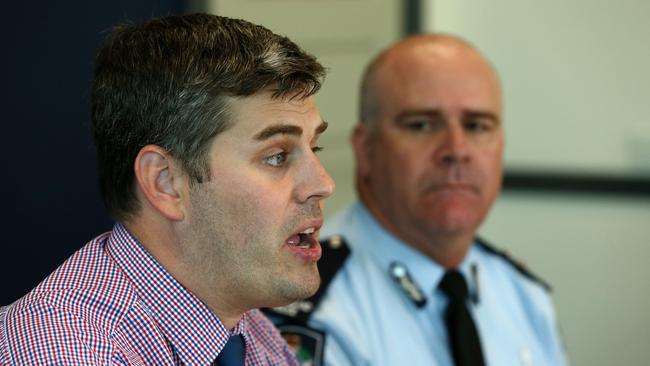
x=304 y=239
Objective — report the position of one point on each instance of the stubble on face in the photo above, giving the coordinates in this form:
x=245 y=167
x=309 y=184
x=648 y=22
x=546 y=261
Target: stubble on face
x=265 y=186
x=243 y=261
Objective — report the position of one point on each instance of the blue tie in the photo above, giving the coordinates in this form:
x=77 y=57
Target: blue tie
x=233 y=353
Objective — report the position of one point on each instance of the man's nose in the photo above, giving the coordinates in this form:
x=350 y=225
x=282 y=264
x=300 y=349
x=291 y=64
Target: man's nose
x=453 y=147
x=317 y=184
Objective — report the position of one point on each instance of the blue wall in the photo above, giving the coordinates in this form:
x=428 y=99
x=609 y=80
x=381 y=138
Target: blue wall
x=51 y=204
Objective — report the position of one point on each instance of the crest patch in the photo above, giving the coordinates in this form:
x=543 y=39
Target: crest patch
x=308 y=344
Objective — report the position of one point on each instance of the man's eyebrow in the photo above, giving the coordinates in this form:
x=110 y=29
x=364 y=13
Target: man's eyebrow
x=282 y=129
x=480 y=114
x=322 y=127
x=271 y=131
x=436 y=113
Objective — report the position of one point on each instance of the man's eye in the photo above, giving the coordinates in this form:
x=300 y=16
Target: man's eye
x=476 y=126
x=276 y=160
x=422 y=124
x=316 y=149
x=419 y=126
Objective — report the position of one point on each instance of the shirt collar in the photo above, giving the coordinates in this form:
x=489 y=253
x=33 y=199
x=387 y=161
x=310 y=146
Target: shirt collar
x=386 y=248
x=188 y=324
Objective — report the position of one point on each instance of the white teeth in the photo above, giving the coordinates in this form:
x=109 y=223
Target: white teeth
x=309 y=231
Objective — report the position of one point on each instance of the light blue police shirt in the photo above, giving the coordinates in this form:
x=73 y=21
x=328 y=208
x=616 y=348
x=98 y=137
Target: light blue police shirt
x=370 y=320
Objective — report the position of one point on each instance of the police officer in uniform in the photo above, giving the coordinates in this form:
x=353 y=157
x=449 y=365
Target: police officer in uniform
x=406 y=281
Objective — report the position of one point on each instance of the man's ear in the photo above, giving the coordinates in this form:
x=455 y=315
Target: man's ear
x=161 y=180
x=360 y=140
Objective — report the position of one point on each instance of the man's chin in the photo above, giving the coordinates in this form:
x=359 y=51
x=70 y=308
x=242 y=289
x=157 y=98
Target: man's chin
x=307 y=288
x=296 y=291
x=452 y=220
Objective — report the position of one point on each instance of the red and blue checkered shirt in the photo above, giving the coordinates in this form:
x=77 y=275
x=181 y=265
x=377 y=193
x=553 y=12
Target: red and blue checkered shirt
x=112 y=303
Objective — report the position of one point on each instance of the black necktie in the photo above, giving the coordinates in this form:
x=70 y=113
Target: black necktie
x=463 y=337
x=233 y=353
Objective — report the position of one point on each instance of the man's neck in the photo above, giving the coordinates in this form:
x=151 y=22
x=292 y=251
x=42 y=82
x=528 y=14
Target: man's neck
x=449 y=252
x=447 y=249
x=159 y=241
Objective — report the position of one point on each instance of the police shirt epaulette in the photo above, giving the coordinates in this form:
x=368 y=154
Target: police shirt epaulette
x=521 y=268
x=335 y=252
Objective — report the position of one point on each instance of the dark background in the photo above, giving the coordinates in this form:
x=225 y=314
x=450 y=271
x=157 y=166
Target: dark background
x=51 y=204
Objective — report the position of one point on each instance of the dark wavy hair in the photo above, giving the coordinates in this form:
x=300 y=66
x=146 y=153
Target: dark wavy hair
x=168 y=82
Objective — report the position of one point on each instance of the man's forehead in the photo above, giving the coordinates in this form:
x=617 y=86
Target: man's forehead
x=423 y=88
x=265 y=101
x=261 y=115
